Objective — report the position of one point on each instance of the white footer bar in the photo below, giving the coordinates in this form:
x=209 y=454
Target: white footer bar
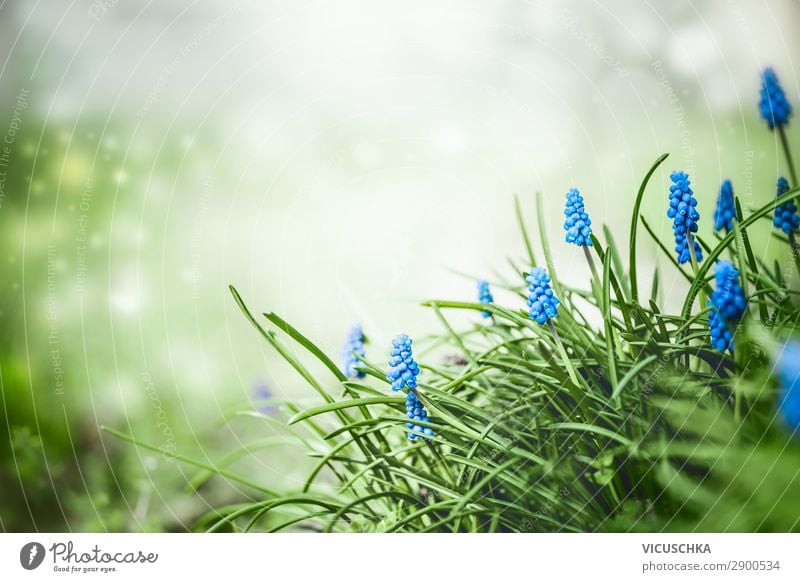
x=402 y=557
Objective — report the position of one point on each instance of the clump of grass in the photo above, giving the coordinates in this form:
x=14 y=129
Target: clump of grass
x=614 y=416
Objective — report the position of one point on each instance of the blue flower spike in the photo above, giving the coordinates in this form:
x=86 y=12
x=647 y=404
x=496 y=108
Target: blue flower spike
x=577 y=223
x=788 y=369
x=403 y=372
x=542 y=302
x=773 y=106
x=786 y=217
x=682 y=210
x=403 y=369
x=353 y=344
x=485 y=296
x=728 y=306
x=416 y=413
x=725 y=212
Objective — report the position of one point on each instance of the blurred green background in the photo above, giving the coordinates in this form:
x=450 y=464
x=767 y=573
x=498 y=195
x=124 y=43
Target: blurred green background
x=337 y=162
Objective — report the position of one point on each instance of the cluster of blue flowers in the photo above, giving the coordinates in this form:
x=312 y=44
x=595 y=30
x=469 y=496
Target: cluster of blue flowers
x=786 y=217
x=773 y=105
x=725 y=212
x=403 y=372
x=577 y=224
x=788 y=368
x=416 y=413
x=542 y=302
x=727 y=304
x=403 y=369
x=685 y=216
x=485 y=296
x=353 y=344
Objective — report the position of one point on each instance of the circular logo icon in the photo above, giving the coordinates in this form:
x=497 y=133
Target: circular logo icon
x=31 y=555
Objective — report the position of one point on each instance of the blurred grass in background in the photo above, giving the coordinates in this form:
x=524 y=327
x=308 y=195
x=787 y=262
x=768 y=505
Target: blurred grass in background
x=165 y=152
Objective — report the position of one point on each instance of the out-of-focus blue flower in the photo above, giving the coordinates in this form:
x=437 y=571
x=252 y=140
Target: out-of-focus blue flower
x=786 y=217
x=773 y=105
x=684 y=216
x=353 y=343
x=261 y=398
x=403 y=370
x=485 y=296
x=577 y=223
x=727 y=304
x=416 y=413
x=542 y=302
x=788 y=368
x=725 y=212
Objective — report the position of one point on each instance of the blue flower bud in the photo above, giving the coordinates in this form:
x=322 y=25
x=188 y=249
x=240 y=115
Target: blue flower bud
x=725 y=212
x=353 y=343
x=485 y=296
x=577 y=223
x=786 y=217
x=682 y=210
x=788 y=369
x=542 y=302
x=773 y=105
x=728 y=306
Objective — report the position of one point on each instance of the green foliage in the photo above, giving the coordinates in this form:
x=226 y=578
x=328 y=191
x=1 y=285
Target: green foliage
x=624 y=420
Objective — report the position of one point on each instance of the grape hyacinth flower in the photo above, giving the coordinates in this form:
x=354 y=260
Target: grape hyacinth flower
x=261 y=397
x=485 y=296
x=577 y=224
x=788 y=368
x=773 y=105
x=353 y=344
x=542 y=302
x=682 y=210
x=725 y=212
x=786 y=217
x=403 y=370
x=416 y=413
x=727 y=304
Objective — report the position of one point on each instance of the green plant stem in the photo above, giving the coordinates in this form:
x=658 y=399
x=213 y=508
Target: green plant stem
x=595 y=276
x=787 y=152
x=701 y=294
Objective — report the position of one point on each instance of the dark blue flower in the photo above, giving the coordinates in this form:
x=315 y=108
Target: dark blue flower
x=786 y=217
x=542 y=302
x=415 y=411
x=353 y=343
x=725 y=212
x=773 y=105
x=403 y=370
x=788 y=368
x=727 y=306
x=577 y=224
x=685 y=216
x=485 y=296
